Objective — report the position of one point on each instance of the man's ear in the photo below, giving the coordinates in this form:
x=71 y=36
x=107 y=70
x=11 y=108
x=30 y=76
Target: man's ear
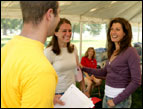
x=49 y=14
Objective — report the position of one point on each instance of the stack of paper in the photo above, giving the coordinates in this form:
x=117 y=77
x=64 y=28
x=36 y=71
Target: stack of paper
x=74 y=98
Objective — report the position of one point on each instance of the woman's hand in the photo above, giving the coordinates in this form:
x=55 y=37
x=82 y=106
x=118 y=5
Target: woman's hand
x=81 y=66
x=57 y=100
x=92 y=77
x=110 y=103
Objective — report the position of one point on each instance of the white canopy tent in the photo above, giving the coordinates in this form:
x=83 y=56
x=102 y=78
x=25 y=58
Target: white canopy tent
x=86 y=11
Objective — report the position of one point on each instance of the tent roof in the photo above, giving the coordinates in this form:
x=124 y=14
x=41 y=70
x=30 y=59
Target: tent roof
x=86 y=11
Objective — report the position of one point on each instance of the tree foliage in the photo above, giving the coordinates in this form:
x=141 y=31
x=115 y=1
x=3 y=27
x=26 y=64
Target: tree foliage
x=93 y=29
x=10 y=24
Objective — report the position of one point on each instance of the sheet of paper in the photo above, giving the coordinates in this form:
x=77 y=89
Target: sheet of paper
x=74 y=98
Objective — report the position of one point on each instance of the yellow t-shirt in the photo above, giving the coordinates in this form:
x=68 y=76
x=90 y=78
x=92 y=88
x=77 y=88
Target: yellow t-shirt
x=27 y=77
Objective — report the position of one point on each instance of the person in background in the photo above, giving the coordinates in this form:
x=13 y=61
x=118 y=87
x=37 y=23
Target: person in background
x=88 y=60
x=28 y=80
x=62 y=55
x=122 y=69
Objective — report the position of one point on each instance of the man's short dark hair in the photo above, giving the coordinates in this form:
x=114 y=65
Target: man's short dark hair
x=33 y=11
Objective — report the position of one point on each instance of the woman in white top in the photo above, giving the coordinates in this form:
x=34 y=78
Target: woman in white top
x=62 y=56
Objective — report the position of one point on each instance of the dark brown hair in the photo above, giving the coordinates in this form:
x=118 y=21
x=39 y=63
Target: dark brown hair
x=86 y=53
x=33 y=11
x=54 y=41
x=125 y=42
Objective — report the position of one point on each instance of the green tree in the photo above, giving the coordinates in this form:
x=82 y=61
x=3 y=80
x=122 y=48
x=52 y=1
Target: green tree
x=10 y=24
x=4 y=26
x=76 y=28
x=94 y=29
x=15 y=24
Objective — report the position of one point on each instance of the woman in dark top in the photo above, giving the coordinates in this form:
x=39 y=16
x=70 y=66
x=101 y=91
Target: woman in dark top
x=122 y=69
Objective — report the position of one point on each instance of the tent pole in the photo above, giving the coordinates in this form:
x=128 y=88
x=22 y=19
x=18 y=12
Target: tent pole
x=106 y=28
x=138 y=32
x=80 y=41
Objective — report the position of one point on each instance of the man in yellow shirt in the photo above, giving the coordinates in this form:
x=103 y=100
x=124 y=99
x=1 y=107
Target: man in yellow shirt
x=28 y=80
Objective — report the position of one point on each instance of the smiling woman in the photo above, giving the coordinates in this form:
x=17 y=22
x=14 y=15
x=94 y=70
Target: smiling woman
x=116 y=32
x=62 y=55
x=64 y=33
x=122 y=69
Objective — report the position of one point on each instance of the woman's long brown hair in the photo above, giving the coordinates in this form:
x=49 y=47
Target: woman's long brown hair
x=125 y=42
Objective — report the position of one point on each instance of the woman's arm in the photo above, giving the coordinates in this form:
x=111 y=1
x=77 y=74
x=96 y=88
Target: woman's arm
x=96 y=72
x=135 y=72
